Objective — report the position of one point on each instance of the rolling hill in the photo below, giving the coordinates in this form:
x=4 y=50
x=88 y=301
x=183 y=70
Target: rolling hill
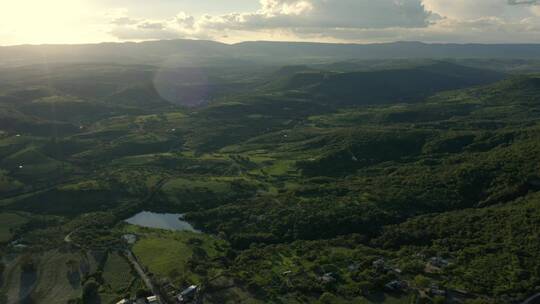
x=310 y=183
x=384 y=86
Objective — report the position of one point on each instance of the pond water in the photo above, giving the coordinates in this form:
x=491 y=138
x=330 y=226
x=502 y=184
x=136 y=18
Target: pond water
x=168 y=221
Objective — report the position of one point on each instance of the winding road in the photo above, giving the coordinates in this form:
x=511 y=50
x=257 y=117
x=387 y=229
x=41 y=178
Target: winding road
x=130 y=256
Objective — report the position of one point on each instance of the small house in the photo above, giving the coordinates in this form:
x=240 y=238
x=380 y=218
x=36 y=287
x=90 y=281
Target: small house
x=188 y=294
x=152 y=300
x=129 y=238
x=327 y=278
x=396 y=285
x=438 y=262
x=437 y=292
x=434 y=290
x=379 y=264
x=353 y=267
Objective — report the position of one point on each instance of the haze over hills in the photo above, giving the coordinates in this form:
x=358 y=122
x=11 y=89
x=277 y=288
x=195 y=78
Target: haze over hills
x=206 y=53
x=202 y=152
x=66 y=96
x=297 y=173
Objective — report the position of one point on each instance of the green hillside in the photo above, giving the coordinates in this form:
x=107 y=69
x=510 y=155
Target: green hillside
x=322 y=183
x=407 y=84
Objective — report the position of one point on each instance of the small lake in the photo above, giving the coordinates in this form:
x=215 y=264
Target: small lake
x=168 y=221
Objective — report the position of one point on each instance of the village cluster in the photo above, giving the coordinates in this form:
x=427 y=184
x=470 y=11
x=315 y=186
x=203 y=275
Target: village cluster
x=187 y=296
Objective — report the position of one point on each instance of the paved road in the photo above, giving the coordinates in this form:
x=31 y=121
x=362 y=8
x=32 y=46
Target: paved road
x=133 y=260
x=131 y=257
x=140 y=271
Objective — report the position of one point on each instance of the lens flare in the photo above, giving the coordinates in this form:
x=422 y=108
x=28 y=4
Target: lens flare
x=184 y=86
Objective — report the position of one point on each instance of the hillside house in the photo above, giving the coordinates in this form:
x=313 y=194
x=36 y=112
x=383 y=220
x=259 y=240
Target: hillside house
x=152 y=300
x=327 y=278
x=353 y=267
x=396 y=285
x=438 y=262
x=434 y=290
x=188 y=294
x=379 y=264
x=129 y=238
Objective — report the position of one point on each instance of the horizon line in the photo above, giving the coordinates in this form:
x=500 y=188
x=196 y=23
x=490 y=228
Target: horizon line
x=264 y=41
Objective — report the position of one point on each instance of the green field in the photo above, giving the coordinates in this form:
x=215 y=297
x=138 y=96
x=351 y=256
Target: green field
x=117 y=273
x=175 y=249
x=183 y=184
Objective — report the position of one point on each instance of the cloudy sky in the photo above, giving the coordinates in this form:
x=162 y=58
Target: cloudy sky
x=363 y=21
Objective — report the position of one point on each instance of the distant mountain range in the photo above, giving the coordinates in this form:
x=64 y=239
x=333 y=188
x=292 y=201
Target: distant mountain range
x=201 y=52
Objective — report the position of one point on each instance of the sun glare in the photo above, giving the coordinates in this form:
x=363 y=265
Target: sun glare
x=45 y=21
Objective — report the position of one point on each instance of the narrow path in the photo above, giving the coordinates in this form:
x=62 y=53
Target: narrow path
x=533 y=300
x=157 y=187
x=69 y=240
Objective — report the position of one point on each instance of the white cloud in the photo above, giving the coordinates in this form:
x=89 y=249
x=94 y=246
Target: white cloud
x=124 y=21
x=524 y=2
x=359 y=14
x=466 y=9
x=285 y=7
x=124 y=27
x=481 y=30
x=350 y=21
x=79 y=21
x=185 y=21
x=149 y=25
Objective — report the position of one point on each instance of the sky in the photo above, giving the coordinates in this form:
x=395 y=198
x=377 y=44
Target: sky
x=231 y=21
